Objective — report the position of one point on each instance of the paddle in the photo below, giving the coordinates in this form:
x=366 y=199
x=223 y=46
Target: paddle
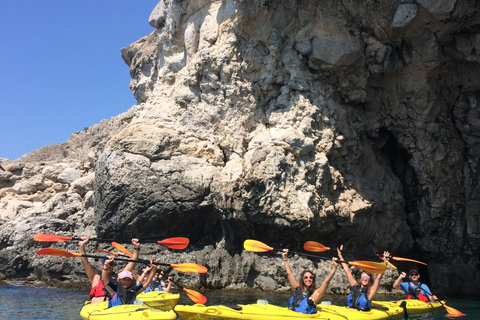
x=178 y=243
x=121 y=248
x=184 y=267
x=451 y=311
x=314 y=246
x=373 y=267
x=110 y=252
x=195 y=296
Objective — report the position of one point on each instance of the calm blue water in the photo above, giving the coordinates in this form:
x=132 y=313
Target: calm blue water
x=26 y=303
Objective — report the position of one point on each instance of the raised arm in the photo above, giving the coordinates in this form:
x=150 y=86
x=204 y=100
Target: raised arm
x=376 y=284
x=169 y=285
x=346 y=268
x=396 y=284
x=291 y=277
x=89 y=270
x=136 y=251
x=153 y=269
x=318 y=294
x=105 y=278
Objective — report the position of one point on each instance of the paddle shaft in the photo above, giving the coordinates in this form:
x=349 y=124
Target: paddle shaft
x=125 y=259
x=116 y=240
x=311 y=255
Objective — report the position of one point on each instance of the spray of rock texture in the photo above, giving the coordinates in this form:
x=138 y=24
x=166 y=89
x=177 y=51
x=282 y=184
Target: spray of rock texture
x=353 y=122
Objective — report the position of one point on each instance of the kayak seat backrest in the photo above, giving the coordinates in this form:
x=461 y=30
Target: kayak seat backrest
x=233 y=306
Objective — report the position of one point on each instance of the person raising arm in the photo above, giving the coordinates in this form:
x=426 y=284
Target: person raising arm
x=306 y=296
x=364 y=289
x=413 y=288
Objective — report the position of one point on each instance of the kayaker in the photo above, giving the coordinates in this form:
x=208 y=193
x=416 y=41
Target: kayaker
x=157 y=284
x=306 y=295
x=127 y=288
x=364 y=289
x=98 y=293
x=413 y=288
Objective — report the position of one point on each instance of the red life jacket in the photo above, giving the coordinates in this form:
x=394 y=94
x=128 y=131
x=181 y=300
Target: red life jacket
x=416 y=293
x=98 y=290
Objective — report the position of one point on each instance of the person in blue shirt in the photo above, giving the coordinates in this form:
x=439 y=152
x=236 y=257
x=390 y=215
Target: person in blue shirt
x=413 y=288
x=364 y=289
x=306 y=295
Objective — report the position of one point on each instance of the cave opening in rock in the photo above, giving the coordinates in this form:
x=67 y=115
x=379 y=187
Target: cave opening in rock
x=398 y=158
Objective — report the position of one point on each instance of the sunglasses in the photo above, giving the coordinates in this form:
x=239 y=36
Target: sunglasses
x=413 y=274
x=308 y=277
x=364 y=276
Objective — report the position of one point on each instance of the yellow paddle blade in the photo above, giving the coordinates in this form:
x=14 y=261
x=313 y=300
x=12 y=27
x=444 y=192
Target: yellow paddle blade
x=314 y=246
x=58 y=252
x=189 y=267
x=406 y=259
x=369 y=266
x=118 y=246
x=256 y=246
x=196 y=297
x=50 y=238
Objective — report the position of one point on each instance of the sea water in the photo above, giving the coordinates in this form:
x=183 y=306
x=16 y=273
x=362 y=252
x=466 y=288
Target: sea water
x=26 y=303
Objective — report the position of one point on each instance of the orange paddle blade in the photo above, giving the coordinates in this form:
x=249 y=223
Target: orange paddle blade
x=256 y=246
x=105 y=251
x=389 y=263
x=452 y=312
x=189 y=267
x=196 y=297
x=57 y=252
x=315 y=246
x=369 y=266
x=177 y=243
x=118 y=246
x=405 y=259
x=50 y=238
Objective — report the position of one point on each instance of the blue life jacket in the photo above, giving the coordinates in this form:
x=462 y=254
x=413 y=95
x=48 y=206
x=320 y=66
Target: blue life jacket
x=357 y=299
x=300 y=302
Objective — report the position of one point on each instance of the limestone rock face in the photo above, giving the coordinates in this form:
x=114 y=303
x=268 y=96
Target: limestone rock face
x=351 y=122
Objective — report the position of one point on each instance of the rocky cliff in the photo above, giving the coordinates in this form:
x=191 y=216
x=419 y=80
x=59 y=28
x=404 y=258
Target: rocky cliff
x=353 y=122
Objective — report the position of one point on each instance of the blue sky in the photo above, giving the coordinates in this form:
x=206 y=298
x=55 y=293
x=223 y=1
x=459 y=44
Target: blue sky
x=61 y=69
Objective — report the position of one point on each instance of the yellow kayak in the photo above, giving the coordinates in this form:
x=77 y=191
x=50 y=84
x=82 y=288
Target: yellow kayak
x=272 y=312
x=159 y=300
x=377 y=312
x=97 y=311
x=413 y=306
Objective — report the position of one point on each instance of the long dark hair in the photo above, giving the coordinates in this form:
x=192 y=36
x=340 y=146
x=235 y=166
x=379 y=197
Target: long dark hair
x=303 y=287
x=370 y=281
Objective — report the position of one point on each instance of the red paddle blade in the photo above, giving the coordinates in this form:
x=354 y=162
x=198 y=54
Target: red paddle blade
x=196 y=297
x=118 y=246
x=315 y=247
x=189 y=267
x=57 y=252
x=50 y=238
x=452 y=312
x=177 y=243
x=256 y=246
x=411 y=260
x=369 y=266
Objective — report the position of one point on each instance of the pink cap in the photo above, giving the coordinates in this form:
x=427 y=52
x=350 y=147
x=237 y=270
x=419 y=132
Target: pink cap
x=125 y=274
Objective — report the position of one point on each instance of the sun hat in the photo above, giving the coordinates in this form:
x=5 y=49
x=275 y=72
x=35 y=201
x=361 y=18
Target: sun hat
x=125 y=274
